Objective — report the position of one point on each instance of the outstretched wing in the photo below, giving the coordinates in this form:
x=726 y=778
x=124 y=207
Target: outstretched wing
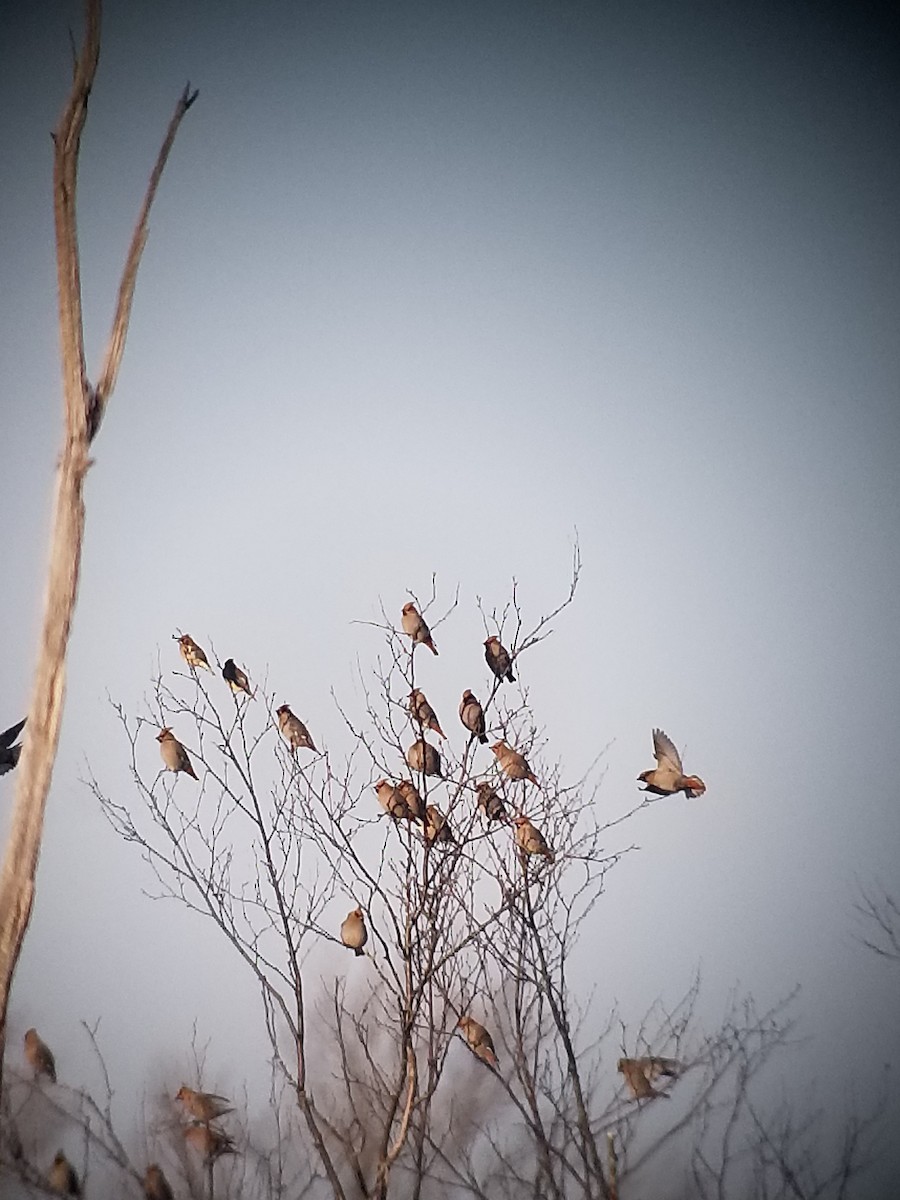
x=666 y=754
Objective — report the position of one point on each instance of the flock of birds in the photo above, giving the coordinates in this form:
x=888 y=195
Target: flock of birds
x=402 y=802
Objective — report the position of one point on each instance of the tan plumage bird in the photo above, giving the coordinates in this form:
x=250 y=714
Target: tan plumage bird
x=498 y=659
x=423 y=712
x=38 y=1056
x=156 y=1186
x=636 y=1078
x=203 y=1106
x=437 y=827
x=62 y=1178
x=354 y=934
x=490 y=803
x=235 y=677
x=174 y=754
x=668 y=777
x=479 y=1041
x=422 y=756
x=530 y=840
x=472 y=715
x=191 y=652
x=402 y=806
x=294 y=731
x=512 y=763
x=211 y=1143
x=410 y=794
x=414 y=626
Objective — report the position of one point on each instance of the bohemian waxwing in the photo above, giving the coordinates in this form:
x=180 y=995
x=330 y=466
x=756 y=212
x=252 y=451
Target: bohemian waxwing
x=422 y=756
x=293 y=730
x=39 y=1057
x=395 y=803
x=472 y=716
x=191 y=652
x=203 y=1106
x=530 y=840
x=414 y=626
x=62 y=1178
x=490 y=803
x=9 y=752
x=512 y=763
x=668 y=777
x=354 y=934
x=437 y=827
x=235 y=677
x=173 y=753
x=156 y=1186
x=497 y=658
x=209 y=1142
x=479 y=1041
x=636 y=1079
x=422 y=712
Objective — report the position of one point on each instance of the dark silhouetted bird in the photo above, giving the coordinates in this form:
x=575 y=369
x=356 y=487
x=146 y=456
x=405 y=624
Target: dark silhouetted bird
x=9 y=749
x=490 y=803
x=498 y=659
x=235 y=677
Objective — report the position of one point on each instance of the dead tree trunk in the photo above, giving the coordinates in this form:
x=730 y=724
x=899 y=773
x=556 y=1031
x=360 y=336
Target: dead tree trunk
x=84 y=409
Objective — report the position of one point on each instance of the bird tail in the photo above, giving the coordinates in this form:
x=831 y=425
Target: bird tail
x=482 y=739
x=359 y=952
x=510 y=677
x=431 y=646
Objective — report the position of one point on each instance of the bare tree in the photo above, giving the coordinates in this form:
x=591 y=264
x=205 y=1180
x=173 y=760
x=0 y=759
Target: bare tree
x=879 y=915
x=85 y=406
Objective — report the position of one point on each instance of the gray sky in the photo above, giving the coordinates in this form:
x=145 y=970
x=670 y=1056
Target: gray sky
x=428 y=288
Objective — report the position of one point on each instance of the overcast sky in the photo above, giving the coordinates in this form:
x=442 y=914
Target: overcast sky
x=429 y=287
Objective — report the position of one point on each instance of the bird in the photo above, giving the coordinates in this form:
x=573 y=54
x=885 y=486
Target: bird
x=414 y=626
x=472 y=715
x=410 y=794
x=530 y=840
x=490 y=803
x=39 y=1056
x=437 y=827
x=400 y=806
x=62 y=1177
x=668 y=777
x=9 y=748
x=512 y=763
x=209 y=1142
x=173 y=753
x=235 y=677
x=156 y=1186
x=192 y=654
x=653 y=1067
x=423 y=712
x=354 y=934
x=498 y=659
x=422 y=756
x=203 y=1106
x=294 y=731
x=636 y=1078
x=479 y=1041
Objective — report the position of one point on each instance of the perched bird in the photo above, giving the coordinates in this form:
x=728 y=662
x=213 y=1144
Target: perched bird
x=203 y=1106
x=294 y=731
x=479 y=1041
x=422 y=756
x=512 y=763
x=490 y=803
x=636 y=1079
x=235 y=677
x=423 y=712
x=173 y=753
x=437 y=827
x=497 y=658
x=354 y=934
x=156 y=1186
x=211 y=1143
x=396 y=804
x=410 y=794
x=472 y=716
x=191 y=652
x=530 y=840
x=414 y=626
x=62 y=1177
x=9 y=752
x=668 y=776
x=39 y=1056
